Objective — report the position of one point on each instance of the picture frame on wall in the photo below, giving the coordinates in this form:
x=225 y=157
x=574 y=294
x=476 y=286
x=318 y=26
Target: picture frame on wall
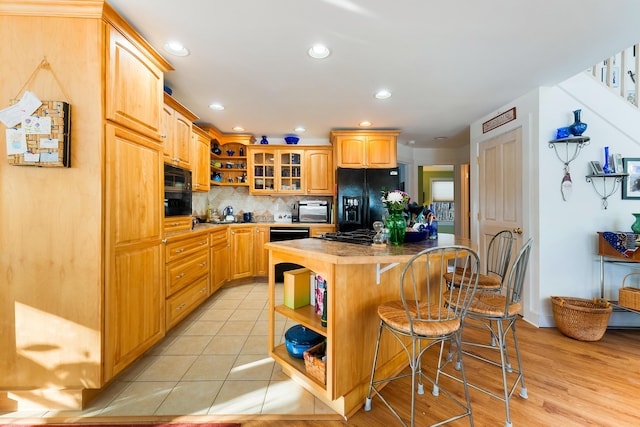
x=631 y=182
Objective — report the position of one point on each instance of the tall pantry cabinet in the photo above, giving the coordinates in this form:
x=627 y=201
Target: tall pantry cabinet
x=82 y=293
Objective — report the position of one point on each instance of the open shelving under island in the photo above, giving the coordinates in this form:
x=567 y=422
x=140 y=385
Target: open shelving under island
x=358 y=279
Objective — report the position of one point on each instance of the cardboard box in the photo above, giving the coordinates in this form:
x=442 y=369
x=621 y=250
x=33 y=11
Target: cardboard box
x=296 y=288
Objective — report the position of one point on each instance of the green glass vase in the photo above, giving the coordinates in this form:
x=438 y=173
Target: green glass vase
x=635 y=227
x=396 y=225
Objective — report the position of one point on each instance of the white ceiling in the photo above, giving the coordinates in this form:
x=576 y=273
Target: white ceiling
x=447 y=63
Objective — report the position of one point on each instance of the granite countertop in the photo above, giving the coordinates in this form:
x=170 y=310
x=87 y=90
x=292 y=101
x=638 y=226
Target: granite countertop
x=349 y=253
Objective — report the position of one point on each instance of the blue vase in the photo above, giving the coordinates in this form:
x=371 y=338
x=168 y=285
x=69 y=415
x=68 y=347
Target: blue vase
x=264 y=140
x=578 y=127
x=607 y=167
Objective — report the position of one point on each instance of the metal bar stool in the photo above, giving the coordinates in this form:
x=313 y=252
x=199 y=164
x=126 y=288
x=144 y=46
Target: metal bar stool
x=497 y=313
x=497 y=263
x=420 y=320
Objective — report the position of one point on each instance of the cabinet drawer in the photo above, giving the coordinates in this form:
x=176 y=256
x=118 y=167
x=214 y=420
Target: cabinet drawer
x=185 y=271
x=185 y=301
x=219 y=238
x=184 y=247
x=177 y=223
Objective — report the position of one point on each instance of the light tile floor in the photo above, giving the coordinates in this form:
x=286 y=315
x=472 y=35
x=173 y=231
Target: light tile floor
x=214 y=362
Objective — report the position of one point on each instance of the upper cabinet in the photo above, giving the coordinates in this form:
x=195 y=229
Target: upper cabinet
x=176 y=132
x=200 y=144
x=365 y=149
x=275 y=170
x=129 y=70
x=319 y=171
x=286 y=170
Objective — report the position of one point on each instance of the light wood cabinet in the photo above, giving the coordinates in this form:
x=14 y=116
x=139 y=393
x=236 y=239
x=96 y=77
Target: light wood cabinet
x=201 y=156
x=319 y=171
x=134 y=85
x=276 y=170
x=219 y=274
x=302 y=170
x=365 y=149
x=242 y=252
x=186 y=275
x=176 y=132
x=133 y=316
x=261 y=259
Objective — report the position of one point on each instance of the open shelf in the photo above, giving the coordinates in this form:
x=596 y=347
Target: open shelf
x=280 y=352
x=305 y=315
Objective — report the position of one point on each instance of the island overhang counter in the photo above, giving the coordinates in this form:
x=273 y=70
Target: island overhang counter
x=358 y=279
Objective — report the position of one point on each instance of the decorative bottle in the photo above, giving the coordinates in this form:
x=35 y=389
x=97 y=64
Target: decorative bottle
x=578 y=127
x=264 y=140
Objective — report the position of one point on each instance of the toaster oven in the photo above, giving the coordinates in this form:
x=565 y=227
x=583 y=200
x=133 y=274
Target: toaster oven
x=311 y=211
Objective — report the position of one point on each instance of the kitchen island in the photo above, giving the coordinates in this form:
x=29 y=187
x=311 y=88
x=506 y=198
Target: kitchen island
x=358 y=279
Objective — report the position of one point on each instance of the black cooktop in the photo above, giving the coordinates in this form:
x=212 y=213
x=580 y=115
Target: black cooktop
x=360 y=237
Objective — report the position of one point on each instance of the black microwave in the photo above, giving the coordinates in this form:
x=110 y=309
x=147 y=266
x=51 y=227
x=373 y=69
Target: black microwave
x=177 y=191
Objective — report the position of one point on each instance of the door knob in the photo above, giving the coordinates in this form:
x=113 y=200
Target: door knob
x=517 y=230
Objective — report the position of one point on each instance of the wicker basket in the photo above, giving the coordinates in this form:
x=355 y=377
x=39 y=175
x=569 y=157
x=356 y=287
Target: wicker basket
x=581 y=319
x=313 y=362
x=629 y=297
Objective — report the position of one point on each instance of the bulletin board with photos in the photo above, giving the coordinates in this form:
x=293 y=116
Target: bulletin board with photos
x=43 y=138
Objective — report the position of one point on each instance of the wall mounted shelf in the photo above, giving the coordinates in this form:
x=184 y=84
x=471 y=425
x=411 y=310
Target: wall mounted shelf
x=572 y=146
x=612 y=178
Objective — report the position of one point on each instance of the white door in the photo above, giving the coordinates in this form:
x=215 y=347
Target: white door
x=500 y=188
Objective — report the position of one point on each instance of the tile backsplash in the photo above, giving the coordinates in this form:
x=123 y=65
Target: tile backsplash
x=262 y=207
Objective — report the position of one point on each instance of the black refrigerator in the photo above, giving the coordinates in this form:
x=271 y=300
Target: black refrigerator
x=359 y=196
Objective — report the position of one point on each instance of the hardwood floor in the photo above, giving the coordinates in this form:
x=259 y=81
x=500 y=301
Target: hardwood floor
x=569 y=383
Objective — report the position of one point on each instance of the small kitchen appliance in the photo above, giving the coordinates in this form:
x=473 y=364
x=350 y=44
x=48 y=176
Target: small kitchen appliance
x=228 y=214
x=311 y=211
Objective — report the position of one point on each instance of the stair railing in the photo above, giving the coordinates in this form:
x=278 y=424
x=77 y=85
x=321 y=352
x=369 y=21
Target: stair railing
x=620 y=73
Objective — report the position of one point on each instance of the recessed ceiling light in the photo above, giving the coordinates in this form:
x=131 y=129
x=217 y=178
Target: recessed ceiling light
x=299 y=129
x=383 y=94
x=238 y=129
x=364 y=124
x=176 y=48
x=412 y=142
x=216 y=106
x=319 y=51
x=440 y=138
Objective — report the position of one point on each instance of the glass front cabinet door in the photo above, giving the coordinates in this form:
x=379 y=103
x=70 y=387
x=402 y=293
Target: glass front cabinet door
x=262 y=174
x=290 y=172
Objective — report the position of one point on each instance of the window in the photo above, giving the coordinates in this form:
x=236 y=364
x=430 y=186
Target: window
x=442 y=190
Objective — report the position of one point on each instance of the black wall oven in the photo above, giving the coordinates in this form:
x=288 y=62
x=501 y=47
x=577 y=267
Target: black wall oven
x=177 y=191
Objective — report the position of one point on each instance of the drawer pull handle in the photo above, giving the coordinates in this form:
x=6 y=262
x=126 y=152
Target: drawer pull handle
x=181 y=275
x=179 y=250
x=203 y=243
x=202 y=264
